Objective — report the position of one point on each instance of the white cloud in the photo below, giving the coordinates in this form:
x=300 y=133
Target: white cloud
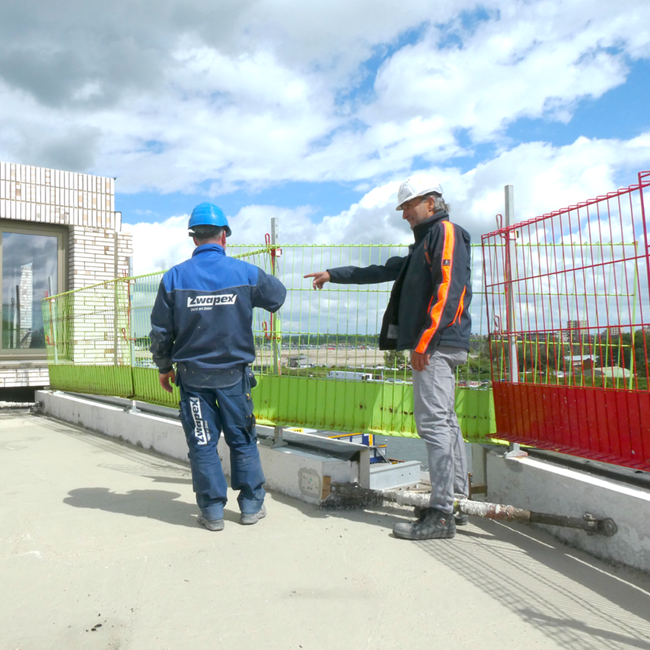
x=250 y=93
x=545 y=178
x=534 y=60
x=158 y=246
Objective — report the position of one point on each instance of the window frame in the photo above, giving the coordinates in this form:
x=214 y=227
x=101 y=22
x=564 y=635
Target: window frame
x=48 y=230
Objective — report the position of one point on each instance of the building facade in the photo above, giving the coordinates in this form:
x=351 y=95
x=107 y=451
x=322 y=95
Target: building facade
x=59 y=231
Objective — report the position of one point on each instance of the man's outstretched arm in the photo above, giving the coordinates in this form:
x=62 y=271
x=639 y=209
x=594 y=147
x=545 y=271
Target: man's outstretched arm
x=373 y=274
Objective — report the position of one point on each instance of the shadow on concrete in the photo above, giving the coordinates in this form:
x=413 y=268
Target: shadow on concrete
x=306 y=509
x=384 y=515
x=154 y=504
x=169 y=479
x=609 y=638
x=577 y=601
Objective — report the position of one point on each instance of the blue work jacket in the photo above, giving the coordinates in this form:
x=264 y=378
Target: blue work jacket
x=203 y=315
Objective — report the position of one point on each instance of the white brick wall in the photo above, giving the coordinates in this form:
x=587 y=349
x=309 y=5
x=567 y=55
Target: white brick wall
x=97 y=249
x=19 y=376
x=43 y=195
x=92 y=255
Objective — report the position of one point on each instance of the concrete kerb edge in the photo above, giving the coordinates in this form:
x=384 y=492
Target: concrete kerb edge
x=291 y=472
x=543 y=486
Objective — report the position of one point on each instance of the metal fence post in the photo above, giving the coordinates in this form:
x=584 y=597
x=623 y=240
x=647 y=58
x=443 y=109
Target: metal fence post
x=130 y=314
x=274 y=318
x=115 y=298
x=53 y=319
x=511 y=278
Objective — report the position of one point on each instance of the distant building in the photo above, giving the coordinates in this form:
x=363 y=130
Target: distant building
x=613 y=372
x=59 y=231
x=300 y=361
x=572 y=332
x=349 y=375
x=582 y=361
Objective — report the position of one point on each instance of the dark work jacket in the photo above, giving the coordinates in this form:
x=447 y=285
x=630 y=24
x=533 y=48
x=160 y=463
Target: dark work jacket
x=429 y=302
x=203 y=314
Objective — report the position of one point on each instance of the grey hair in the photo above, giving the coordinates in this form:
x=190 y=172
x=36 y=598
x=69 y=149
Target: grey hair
x=438 y=202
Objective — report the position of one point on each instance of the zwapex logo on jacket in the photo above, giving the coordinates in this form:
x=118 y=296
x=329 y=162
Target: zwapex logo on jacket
x=200 y=303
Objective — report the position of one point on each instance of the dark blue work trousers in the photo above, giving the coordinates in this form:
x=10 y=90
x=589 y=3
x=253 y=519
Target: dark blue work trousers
x=205 y=412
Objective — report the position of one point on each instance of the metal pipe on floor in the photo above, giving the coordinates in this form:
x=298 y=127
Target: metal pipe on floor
x=348 y=494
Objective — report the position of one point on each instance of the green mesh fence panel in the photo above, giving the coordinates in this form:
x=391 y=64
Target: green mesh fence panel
x=96 y=380
x=317 y=360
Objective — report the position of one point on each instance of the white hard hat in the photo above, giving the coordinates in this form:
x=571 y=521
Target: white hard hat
x=414 y=186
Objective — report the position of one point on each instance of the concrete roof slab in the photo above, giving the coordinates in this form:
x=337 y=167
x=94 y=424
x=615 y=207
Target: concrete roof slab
x=100 y=548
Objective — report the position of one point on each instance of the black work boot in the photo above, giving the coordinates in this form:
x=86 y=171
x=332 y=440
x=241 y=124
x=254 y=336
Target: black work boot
x=431 y=524
x=460 y=518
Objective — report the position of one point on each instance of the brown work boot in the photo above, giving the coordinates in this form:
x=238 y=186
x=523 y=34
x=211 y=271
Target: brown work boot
x=431 y=524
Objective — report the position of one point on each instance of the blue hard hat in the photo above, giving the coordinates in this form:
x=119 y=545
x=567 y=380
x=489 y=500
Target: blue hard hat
x=207 y=214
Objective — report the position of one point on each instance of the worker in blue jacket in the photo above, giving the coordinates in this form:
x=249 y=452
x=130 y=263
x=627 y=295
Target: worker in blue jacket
x=428 y=314
x=202 y=322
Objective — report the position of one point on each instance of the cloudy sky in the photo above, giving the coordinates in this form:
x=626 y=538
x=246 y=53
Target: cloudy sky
x=314 y=111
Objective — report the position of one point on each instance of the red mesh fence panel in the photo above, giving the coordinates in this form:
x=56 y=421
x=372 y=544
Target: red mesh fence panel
x=567 y=297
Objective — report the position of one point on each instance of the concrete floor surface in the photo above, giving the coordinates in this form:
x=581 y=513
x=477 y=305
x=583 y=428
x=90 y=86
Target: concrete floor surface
x=99 y=549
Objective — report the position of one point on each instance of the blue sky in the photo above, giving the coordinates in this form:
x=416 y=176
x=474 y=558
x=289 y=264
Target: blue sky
x=315 y=112
x=620 y=113
x=323 y=198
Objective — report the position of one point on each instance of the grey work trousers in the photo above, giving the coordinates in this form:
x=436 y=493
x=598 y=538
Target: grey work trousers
x=434 y=399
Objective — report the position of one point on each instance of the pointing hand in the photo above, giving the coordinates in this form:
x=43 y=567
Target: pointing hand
x=320 y=278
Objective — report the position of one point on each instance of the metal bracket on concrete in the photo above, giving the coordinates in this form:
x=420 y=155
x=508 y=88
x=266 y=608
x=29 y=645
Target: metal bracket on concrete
x=475 y=488
x=133 y=408
x=515 y=451
x=278 y=440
